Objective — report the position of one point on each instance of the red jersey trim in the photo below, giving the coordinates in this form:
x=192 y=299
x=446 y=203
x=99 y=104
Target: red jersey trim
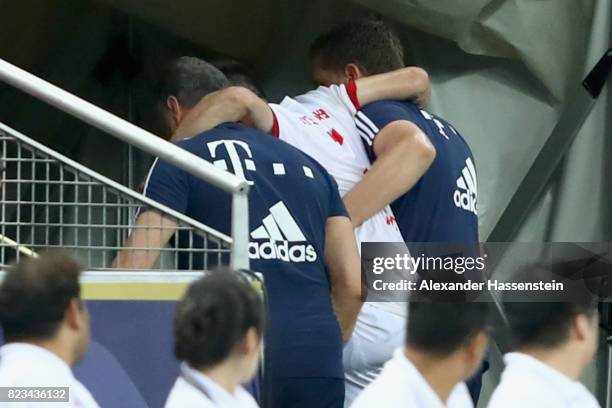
x=351 y=90
x=275 y=127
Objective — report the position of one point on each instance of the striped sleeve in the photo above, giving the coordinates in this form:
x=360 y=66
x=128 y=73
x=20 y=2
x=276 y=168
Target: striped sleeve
x=372 y=118
x=366 y=128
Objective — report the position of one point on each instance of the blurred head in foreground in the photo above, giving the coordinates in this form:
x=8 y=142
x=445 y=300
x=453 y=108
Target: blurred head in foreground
x=455 y=333
x=548 y=325
x=445 y=344
x=219 y=324
x=40 y=304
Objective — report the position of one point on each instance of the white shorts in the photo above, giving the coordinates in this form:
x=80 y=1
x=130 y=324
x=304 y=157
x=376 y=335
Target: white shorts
x=378 y=333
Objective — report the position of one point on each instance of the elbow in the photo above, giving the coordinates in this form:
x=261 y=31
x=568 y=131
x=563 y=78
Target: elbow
x=424 y=153
x=422 y=77
x=418 y=146
x=427 y=151
x=419 y=79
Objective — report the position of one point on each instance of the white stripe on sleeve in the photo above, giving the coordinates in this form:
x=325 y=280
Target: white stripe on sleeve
x=367 y=122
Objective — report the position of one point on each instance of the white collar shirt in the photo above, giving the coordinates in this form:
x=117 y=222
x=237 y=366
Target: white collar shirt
x=400 y=384
x=194 y=389
x=529 y=383
x=27 y=365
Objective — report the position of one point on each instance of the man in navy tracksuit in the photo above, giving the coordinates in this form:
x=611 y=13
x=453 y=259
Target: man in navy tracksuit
x=302 y=241
x=441 y=206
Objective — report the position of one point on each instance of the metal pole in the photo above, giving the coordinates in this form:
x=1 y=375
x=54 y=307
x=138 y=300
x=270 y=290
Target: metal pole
x=609 y=372
x=240 y=231
x=148 y=142
x=20 y=248
x=111 y=183
x=119 y=128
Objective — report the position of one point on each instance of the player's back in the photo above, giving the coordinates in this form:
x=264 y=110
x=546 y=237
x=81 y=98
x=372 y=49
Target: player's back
x=290 y=200
x=442 y=206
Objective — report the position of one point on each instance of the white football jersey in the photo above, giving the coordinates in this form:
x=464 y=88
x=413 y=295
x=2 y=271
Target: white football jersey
x=321 y=124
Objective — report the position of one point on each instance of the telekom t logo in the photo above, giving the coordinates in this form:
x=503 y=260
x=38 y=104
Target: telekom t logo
x=231 y=146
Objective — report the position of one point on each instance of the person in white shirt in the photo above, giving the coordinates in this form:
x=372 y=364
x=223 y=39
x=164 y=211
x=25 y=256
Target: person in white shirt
x=218 y=328
x=429 y=372
x=554 y=342
x=46 y=329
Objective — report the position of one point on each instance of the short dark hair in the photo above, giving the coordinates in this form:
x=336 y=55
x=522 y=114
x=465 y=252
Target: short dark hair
x=35 y=295
x=440 y=328
x=542 y=322
x=214 y=316
x=370 y=44
x=190 y=79
x=239 y=74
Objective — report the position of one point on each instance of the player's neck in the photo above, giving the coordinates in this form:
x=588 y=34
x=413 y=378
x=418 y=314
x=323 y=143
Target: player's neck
x=563 y=359
x=441 y=374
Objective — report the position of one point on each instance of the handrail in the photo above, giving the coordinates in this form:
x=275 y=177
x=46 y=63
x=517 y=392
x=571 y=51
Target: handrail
x=119 y=128
x=130 y=133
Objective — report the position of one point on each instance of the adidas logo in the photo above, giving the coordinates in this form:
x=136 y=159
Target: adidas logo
x=466 y=195
x=283 y=238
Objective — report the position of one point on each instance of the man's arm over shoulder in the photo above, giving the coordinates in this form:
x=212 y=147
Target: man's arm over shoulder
x=239 y=104
x=401 y=154
x=410 y=83
x=233 y=104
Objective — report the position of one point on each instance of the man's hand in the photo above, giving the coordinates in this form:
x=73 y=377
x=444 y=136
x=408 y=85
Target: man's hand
x=233 y=104
x=150 y=234
x=403 y=154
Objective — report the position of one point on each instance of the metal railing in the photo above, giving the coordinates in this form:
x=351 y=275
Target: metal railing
x=49 y=201
x=40 y=184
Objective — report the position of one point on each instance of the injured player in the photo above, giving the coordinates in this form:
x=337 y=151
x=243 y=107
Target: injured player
x=321 y=123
